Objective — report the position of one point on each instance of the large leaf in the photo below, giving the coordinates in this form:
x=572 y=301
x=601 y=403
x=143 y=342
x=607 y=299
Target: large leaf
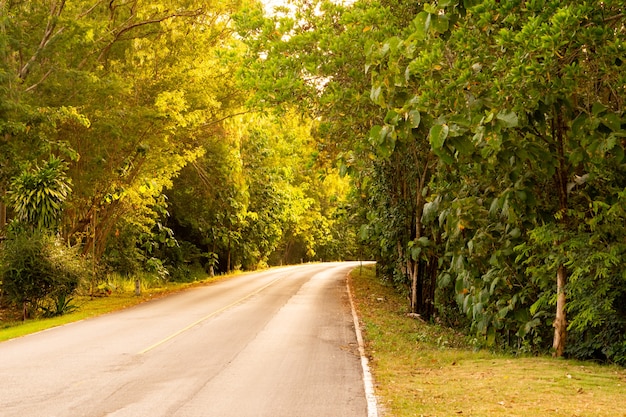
x=462 y=144
x=376 y=95
x=375 y=134
x=507 y=118
x=414 y=118
x=421 y=25
x=391 y=45
x=392 y=117
x=446 y=155
x=612 y=121
x=598 y=108
x=438 y=135
x=440 y=23
x=383 y=139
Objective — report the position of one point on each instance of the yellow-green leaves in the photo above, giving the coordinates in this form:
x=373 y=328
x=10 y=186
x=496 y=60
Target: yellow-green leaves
x=172 y=105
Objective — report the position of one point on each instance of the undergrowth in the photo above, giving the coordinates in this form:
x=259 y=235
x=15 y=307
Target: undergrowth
x=114 y=293
x=423 y=369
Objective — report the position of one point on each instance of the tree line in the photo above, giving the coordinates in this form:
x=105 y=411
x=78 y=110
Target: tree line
x=127 y=146
x=485 y=140
x=474 y=149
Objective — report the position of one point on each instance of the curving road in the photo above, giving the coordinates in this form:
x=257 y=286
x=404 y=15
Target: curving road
x=276 y=343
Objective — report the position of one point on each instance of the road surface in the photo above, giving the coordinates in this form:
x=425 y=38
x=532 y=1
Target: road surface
x=276 y=343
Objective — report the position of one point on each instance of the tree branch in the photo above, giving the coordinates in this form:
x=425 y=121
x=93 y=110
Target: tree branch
x=118 y=34
x=214 y=122
x=49 y=34
x=91 y=9
x=32 y=87
x=617 y=16
x=607 y=19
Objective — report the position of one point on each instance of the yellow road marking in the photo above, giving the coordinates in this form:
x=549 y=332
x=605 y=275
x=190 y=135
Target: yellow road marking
x=208 y=316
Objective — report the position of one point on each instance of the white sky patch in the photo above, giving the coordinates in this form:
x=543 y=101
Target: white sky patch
x=270 y=5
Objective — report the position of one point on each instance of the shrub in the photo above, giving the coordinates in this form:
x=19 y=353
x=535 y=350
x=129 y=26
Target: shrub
x=38 y=194
x=38 y=270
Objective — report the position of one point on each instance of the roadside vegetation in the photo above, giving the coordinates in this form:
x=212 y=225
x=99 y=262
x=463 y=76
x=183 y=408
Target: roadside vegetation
x=128 y=148
x=425 y=369
x=475 y=149
x=115 y=294
x=486 y=144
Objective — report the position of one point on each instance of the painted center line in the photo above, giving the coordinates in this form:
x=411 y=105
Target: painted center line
x=208 y=316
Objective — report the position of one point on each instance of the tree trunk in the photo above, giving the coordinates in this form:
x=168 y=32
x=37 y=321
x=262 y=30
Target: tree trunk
x=423 y=284
x=414 y=286
x=430 y=284
x=3 y=215
x=560 y=177
x=418 y=270
x=560 y=322
x=228 y=257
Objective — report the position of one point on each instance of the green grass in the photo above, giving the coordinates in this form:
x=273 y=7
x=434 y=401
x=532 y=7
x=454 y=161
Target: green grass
x=123 y=296
x=427 y=370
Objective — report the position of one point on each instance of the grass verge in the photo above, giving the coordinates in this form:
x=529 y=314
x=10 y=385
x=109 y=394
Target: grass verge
x=426 y=370
x=122 y=297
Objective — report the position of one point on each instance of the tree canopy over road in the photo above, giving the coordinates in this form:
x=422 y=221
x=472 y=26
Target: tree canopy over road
x=474 y=149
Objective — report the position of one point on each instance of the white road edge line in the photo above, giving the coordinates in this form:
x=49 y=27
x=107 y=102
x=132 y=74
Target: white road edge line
x=208 y=316
x=368 y=381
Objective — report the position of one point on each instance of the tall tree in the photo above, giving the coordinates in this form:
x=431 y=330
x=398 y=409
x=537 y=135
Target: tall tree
x=140 y=96
x=530 y=122
x=311 y=56
x=256 y=196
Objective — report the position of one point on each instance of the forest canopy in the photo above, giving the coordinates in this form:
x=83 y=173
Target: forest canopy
x=126 y=134
x=474 y=149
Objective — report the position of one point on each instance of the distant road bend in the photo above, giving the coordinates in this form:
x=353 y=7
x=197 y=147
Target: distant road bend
x=279 y=343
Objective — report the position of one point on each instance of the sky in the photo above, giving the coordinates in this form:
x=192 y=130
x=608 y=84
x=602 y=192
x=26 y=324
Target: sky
x=270 y=4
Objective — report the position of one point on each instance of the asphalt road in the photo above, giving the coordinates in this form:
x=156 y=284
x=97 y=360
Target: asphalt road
x=276 y=343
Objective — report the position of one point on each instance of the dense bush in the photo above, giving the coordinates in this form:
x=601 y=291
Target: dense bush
x=39 y=271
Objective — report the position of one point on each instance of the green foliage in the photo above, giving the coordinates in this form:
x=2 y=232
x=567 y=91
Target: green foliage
x=593 y=255
x=123 y=253
x=526 y=124
x=40 y=271
x=37 y=195
x=60 y=305
x=263 y=200
x=483 y=140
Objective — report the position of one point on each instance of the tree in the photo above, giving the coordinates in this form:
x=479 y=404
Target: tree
x=140 y=97
x=523 y=118
x=312 y=58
